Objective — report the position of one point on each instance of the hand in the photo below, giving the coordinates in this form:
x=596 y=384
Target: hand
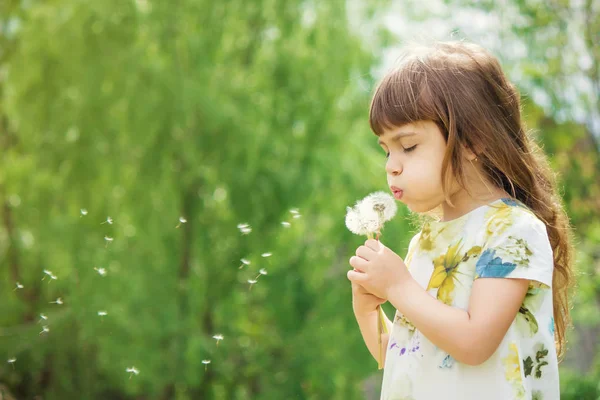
x=377 y=269
x=364 y=302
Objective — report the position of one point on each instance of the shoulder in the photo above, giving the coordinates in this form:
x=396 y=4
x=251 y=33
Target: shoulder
x=516 y=245
x=513 y=218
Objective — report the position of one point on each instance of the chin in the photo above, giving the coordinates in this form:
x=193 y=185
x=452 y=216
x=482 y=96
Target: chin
x=422 y=207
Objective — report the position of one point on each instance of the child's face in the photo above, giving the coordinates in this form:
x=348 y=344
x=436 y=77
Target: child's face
x=414 y=164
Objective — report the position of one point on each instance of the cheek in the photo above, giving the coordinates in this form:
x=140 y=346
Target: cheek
x=425 y=172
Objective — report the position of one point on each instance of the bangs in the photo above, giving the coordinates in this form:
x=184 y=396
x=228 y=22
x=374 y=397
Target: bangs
x=403 y=97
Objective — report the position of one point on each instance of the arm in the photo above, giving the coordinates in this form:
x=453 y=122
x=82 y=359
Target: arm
x=470 y=336
x=367 y=323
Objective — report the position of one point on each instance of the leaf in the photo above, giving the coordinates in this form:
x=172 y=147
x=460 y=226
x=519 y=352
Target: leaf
x=528 y=366
x=529 y=319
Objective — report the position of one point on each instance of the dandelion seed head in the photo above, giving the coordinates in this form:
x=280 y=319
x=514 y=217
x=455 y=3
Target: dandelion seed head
x=11 y=360
x=42 y=316
x=47 y=272
x=266 y=255
x=245 y=262
x=294 y=211
x=133 y=370
x=262 y=271
x=252 y=281
x=109 y=220
x=19 y=286
x=361 y=222
x=108 y=239
x=246 y=231
x=297 y=216
x=53 y=277
x=205 y=362
x=102 y=313
x=58 y=301
x=382 y=202
x=286 y=224
x=45 y=329
x=83 y=211
x=182 y=220
x=101 y=271
x=218 y=337
x=242 y=226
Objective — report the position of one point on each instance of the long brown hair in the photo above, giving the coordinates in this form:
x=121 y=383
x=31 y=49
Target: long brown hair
x=462 y=88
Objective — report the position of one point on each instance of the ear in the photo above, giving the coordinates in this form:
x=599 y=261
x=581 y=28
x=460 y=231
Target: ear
x=468 y=154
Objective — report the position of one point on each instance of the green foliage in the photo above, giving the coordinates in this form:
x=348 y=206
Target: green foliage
x=220 y=113
x=576 y=387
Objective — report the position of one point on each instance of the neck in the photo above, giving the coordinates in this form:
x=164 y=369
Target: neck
x=463 y=202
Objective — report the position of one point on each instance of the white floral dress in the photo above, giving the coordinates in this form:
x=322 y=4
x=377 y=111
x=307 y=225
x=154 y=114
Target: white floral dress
x=501 y=240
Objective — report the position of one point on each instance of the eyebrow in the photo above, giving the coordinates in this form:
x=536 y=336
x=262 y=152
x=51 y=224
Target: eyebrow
x=398 y=136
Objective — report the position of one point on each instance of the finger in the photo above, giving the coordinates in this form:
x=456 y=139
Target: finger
x=373 y=244
x=358 y=263
x=365 y=253
x=357 y=277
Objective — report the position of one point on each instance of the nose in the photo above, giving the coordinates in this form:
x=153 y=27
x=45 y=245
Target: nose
x=393 y=167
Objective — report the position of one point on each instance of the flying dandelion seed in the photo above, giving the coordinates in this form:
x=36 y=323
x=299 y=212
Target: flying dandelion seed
x=83 y=212
x=58 y=301
x=101 y=271
x=108 y=240
x=244 y=228
x=12 y=361
x=19 y=286
x=218 y=337
x=294 y=211
x=52 y=278
x=43 y=317
x=266 y=255
x=297 y=216
x=261 y=272
x=286 y=224
x=109 y=221
x=102 y=313
x=45 y=329
x=205 y=362
x=47 y=273
x=244 y=263
x=181 y=221
x=132 y=371
x=251 y=282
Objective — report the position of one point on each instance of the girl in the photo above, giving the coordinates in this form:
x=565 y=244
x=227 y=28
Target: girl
x=481 y=298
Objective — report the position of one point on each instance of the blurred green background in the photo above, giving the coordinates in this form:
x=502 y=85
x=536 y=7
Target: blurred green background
x=231 y=112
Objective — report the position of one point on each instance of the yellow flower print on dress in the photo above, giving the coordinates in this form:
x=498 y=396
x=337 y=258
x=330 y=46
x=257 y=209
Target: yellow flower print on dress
x=500 y=217
x=512 y=371
x=445 y=270
x=402 y=320
x=426 y=240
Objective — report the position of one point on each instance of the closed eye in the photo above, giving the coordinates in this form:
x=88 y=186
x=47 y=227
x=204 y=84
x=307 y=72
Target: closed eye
x=409 y=149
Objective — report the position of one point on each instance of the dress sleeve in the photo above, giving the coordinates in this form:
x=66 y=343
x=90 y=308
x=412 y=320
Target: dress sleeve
x=521 y=250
